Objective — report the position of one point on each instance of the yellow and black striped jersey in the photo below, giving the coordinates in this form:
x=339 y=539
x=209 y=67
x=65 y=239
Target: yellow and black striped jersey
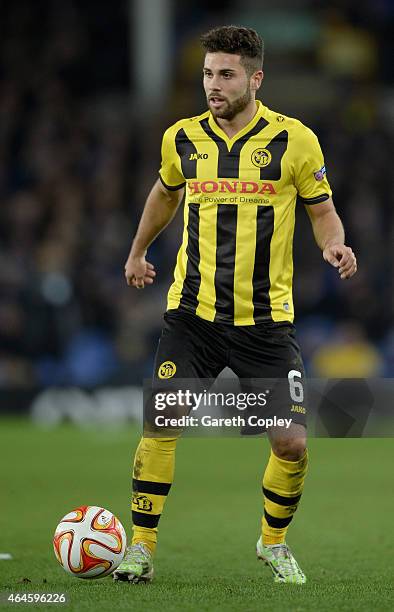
x=235 y=264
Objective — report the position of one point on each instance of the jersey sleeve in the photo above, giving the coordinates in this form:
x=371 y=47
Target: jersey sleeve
x=310 y=171
x=170 y=172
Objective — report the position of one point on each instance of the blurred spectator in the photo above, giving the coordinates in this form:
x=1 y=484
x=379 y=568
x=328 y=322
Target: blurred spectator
x=347 y=355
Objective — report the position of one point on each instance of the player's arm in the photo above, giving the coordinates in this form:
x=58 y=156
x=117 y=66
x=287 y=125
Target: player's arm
x=330 y=236
x=160 y=207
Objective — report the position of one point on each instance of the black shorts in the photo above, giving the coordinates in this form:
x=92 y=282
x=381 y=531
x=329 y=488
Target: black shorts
x=262 y=355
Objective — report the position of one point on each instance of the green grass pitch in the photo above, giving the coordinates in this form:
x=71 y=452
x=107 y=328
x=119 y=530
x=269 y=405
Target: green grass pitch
x=341 y=535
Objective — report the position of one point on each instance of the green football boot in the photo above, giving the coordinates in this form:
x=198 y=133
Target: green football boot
x=137 y=565
x=281 y=561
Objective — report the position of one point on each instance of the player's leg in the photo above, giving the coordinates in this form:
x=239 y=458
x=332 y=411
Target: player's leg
x=186 y=350
x=268 y=355
x=283 y=484
x=153 y=473
x=283 y=481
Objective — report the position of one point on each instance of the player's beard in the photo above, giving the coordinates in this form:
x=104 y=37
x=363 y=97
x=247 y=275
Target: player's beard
x=231 y=109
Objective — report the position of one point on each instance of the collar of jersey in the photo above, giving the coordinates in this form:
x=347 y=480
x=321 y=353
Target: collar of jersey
x=249 y=126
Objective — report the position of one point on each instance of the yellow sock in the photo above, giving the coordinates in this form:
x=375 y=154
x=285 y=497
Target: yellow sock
x=153 y=474
x=283 y=484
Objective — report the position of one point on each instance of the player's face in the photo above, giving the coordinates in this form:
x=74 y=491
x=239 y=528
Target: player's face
x=227 y=86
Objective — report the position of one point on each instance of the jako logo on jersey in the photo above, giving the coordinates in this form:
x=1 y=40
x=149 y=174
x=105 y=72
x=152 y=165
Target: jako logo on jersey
x=319 y=175
x=167 y=369
x=261 y=158
x=194 y=156
x=229 y=187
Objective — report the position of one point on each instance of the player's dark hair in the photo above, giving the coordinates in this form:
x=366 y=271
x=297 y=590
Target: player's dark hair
x=239 y=41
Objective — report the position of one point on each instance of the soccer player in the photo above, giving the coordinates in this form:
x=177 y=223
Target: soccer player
x=241 y=167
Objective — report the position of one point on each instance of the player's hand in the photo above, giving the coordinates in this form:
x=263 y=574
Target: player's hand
x=139 y=272
x=341 y=257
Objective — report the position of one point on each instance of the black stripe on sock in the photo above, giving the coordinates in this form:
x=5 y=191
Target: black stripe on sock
x=191 y=284
x=185 y=148
x=278 y=523
x=280 y=500
x=228 y=161
x=147 y=486
x=145 y=520
x=226 y=237
x=261 y=272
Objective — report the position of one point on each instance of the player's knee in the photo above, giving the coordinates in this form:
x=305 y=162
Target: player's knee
x=290 y=449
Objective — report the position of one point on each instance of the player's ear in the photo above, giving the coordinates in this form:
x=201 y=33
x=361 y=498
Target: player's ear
x=256 y=80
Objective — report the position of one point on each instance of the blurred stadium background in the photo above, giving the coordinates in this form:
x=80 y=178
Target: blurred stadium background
x=87 y=89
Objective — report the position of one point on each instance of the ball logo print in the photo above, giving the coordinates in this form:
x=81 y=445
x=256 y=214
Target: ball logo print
x=167 y=369
x=89 y=542
x=103 y=520
x=261 y=158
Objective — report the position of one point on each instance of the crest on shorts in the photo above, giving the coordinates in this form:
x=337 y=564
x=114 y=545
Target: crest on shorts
x=261 y=158
x=166 y=370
